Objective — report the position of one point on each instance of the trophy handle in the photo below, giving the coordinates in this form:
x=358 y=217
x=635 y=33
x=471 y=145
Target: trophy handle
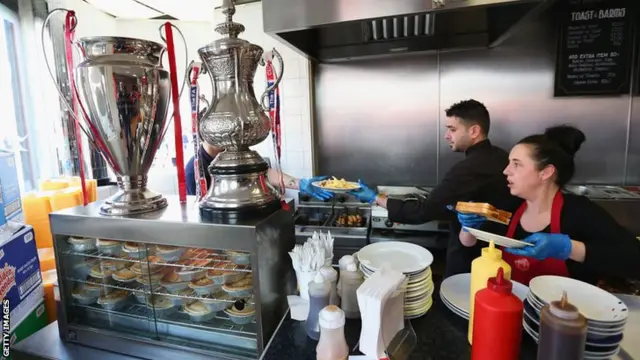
x=278 y=79
x=204 y=69
x=186 y=55
x=187 y=67
x=53 y=78
x=187 y=76
x=205 y=101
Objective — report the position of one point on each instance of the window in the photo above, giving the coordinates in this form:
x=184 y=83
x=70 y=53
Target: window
x=14 y=134
x=26 y=122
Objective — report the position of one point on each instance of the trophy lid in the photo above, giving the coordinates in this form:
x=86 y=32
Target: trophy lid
x=229 y=30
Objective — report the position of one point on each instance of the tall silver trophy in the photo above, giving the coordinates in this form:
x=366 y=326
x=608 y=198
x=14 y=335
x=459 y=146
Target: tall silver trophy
x=235 y=121
x=125 y=92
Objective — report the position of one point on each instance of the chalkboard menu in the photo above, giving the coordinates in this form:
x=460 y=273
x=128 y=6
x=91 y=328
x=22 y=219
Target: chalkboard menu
x=595 y=49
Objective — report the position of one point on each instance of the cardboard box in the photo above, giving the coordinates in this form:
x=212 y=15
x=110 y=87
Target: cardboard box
x=10 y=204
x=27 y=305
x=35 y=321
x=19 y=267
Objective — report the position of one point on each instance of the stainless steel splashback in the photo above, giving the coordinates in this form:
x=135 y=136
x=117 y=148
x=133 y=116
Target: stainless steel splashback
x=383 y=120
x=379 y=122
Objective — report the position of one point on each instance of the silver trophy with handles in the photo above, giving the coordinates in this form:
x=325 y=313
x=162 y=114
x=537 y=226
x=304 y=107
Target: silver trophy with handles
x=235 y=121
x=125 y=93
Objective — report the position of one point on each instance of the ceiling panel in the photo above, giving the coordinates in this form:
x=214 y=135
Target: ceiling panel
x=186 y=10
x=125 y=9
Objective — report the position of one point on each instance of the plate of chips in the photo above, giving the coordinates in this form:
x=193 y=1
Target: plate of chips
x=336 y=185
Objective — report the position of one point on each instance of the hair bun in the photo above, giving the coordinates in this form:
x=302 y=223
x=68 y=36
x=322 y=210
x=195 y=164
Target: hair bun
x=567 y=137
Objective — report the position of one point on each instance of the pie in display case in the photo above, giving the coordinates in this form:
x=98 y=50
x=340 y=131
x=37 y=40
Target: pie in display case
x=183 y=292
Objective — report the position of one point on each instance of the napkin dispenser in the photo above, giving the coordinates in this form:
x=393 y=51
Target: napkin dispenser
x=381 y=302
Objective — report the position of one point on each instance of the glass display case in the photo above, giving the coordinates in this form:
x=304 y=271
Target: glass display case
x=166 y=284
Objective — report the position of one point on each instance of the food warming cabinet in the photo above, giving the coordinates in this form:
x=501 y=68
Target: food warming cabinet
x=165 y=284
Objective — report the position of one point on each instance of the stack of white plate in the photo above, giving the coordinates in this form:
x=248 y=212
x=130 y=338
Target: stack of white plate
x=455 y=293
x=412 y=260
x=606 y=314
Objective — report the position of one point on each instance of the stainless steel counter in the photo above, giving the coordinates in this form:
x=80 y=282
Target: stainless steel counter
x=46 y=344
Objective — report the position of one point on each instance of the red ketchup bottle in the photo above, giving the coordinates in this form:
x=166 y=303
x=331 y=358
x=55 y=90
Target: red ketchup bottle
x=497 y=321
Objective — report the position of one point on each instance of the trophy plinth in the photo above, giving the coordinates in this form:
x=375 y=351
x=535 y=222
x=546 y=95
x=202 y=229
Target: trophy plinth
x=132 y=198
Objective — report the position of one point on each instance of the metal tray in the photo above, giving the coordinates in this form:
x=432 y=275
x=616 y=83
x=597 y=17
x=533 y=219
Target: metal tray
x=602 y=192
x=616 y=192
x=358 y=233
x=364 y=214
x=308 y=220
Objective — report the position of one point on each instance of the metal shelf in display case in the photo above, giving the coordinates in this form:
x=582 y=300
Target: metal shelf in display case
x=167 y=284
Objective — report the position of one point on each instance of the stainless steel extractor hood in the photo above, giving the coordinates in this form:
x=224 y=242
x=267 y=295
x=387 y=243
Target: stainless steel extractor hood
x=338 y=30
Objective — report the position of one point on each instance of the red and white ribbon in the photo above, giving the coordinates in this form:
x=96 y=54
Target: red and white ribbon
x=194 y=96
x=69 y=33
x=177 y=121
x=274 y=115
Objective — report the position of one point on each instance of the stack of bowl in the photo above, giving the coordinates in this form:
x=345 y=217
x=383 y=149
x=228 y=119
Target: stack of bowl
x=413 y=261
x=606 y=314
x=455 y=293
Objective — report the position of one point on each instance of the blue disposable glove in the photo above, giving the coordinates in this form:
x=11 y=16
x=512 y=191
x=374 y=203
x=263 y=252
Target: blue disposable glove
x=473 y=221
x=306 y=187
x=557 y=246
x=365 y=193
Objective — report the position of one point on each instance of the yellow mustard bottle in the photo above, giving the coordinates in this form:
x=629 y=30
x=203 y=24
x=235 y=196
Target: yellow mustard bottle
x=483 y=268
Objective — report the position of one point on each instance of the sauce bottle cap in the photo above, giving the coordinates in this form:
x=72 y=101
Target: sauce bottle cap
x=345 y=260
x=563 y=309
x=331 y=317
x=492 y=252
x=319 y=279
x=330 y=274
x=351 y=267
x=499 y=284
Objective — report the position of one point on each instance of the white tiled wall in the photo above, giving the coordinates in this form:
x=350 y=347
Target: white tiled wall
x=294 y=89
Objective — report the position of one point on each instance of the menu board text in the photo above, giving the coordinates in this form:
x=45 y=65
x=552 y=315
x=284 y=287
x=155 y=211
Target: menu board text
x=594 y=53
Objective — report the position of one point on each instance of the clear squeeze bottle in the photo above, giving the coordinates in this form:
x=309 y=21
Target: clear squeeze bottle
x=563 y=331
x=319 y=295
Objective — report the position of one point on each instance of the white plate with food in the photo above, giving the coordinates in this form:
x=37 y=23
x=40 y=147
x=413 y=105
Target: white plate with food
x=336 y=185
x=497 y=239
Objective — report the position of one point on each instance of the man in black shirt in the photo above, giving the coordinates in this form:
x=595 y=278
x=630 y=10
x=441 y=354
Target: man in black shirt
x=208 y=152
x=476 y=178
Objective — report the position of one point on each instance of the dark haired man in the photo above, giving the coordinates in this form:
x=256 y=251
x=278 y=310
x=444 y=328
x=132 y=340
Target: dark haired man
x=476 y=178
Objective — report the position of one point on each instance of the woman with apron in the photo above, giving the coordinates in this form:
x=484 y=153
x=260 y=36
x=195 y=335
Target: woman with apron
x=571 y=235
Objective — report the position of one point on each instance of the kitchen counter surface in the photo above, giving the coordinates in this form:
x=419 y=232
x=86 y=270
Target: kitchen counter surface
x=440 y=335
